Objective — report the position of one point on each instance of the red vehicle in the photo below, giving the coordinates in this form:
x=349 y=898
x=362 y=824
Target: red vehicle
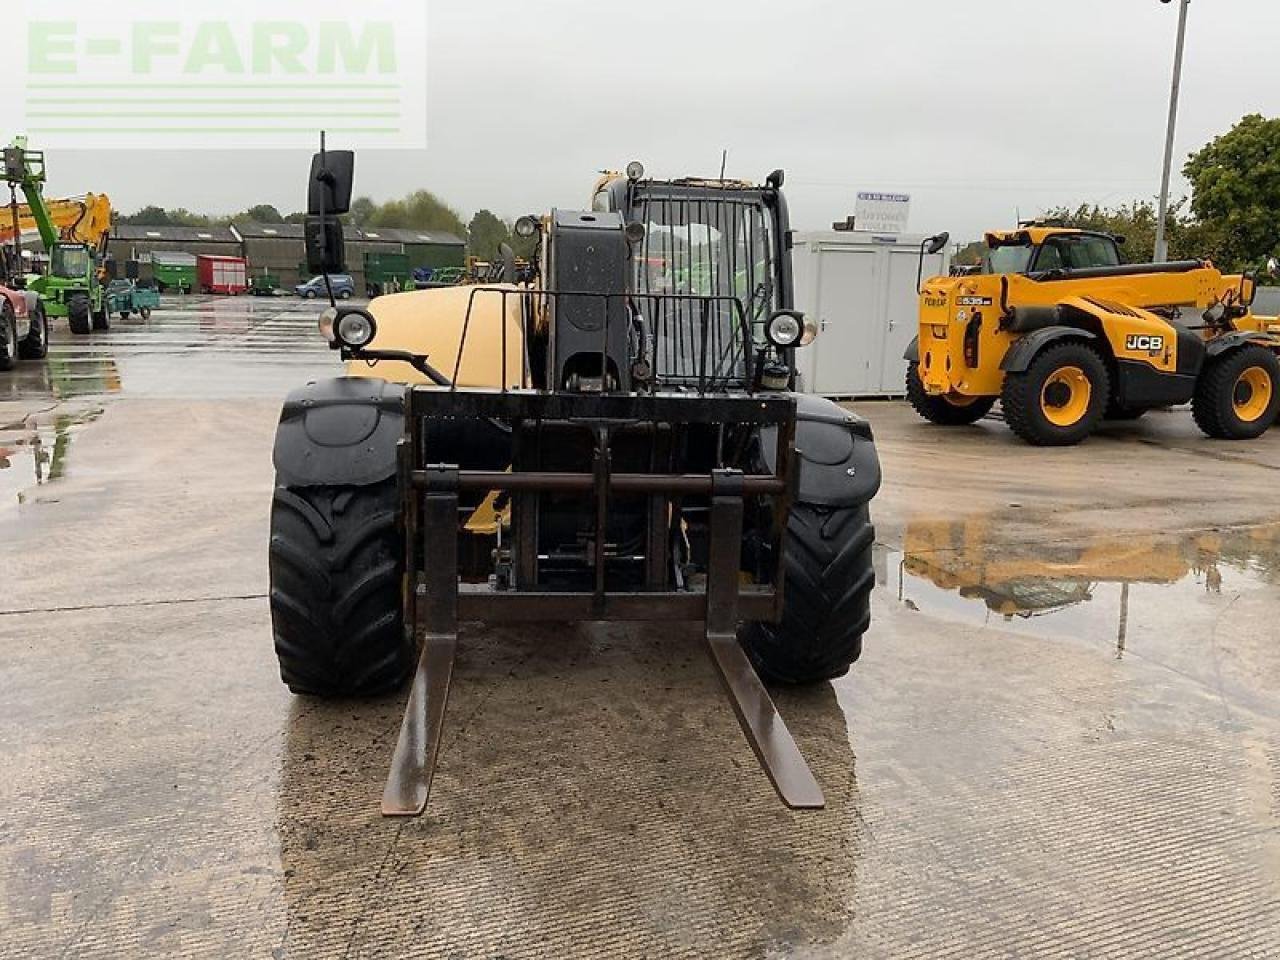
x=222 y=274
x=24 y=328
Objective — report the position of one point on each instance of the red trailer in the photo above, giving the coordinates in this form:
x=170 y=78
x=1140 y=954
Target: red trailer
x=222 y=274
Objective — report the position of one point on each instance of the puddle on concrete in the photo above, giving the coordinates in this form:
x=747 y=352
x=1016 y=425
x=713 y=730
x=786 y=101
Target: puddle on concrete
x=34 y=453
x=1015 y=574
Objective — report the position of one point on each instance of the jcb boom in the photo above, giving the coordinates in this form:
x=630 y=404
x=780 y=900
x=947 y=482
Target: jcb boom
x=1063 y=334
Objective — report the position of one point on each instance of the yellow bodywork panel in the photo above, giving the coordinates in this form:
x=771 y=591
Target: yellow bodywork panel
x=430 y=323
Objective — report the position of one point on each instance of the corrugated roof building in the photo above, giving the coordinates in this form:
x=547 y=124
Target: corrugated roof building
x=129 y=242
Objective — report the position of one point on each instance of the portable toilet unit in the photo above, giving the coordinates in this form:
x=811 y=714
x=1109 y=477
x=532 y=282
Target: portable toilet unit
x=227 y=275
x=860 y=288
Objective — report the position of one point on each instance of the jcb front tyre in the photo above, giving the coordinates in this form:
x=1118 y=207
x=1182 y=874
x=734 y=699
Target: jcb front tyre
x=1059 y=399
x=78 y=317
x=829 y=578
x=1238 y=396
x=337 y=563
x=101 y=319
x=944 y=411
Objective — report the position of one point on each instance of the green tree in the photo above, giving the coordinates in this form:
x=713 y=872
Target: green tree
x=486 y=234
x=263 y=213
x=1236 y=191
x=148 y=216
x=420 y=210
x=1136 y=223
x=362 y=208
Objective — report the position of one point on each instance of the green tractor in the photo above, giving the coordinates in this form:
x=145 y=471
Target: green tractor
x=72 y=287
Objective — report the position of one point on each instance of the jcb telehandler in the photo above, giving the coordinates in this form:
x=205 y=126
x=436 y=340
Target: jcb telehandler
x=1063 y=334
x=613 y=438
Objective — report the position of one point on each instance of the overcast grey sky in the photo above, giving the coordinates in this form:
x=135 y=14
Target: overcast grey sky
x=976 y=108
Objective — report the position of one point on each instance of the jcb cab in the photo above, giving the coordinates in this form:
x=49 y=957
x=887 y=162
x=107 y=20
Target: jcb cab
x=1063 y=334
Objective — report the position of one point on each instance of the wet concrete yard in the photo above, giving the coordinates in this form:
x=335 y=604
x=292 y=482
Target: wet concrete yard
x=1063 y=738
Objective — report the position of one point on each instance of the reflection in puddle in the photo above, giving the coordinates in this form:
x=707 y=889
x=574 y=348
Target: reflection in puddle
x=1009 y=571
x=63 y=375
x=34 y=454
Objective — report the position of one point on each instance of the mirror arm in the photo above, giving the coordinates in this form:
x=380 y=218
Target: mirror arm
x=417 y=361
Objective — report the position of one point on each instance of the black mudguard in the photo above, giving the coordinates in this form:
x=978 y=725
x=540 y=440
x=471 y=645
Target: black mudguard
x=1228 y=342
x=340 y=432
x=839 y=466
x=912 y=353
x=1020 y=355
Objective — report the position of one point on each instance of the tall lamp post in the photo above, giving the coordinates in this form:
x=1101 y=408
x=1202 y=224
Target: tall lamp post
x=1162 y=243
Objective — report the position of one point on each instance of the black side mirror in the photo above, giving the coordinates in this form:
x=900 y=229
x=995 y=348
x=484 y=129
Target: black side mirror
x=326 y=252
x=333 y=174
x=929 y=247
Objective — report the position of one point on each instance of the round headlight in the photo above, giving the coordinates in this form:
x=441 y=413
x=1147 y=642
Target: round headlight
x=327 y=320
x=785 y=330
x=355 y=329
x=635 y=170
x=526 y=227
x=810 y=332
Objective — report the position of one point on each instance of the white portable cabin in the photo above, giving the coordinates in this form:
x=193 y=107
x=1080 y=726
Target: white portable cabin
x=861 y=290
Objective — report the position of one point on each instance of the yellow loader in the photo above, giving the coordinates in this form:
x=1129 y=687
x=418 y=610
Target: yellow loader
x=1063 y=334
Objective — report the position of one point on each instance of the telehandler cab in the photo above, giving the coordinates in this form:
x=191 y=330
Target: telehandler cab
x=611 y=438
x=1063 y=334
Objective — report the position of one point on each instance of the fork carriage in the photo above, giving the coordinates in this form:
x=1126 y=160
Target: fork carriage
x=535 y=576
x=612 y=453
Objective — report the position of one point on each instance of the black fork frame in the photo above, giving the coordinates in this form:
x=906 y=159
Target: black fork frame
x=437 y=601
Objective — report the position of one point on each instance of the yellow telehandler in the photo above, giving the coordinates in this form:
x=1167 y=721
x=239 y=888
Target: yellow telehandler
x=1063 y=334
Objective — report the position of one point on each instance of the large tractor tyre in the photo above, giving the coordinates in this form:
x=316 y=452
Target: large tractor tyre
x=1059 y=399
x=8 y=337
x=827 y=607
x=35 y=346
x=101 y=319
x=945 y=411
x=337 y=563
x=78 y=314
x=1238 y=396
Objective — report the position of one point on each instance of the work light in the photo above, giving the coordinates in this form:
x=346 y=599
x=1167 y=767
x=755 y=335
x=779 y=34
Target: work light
x=355 y=329
x=790 y=328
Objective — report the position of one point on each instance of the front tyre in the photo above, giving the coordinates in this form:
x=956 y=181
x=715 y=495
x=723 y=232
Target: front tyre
x=1059 y=399
x=101 y=319
x=943 y=410
x=1238 y=395
x=337 y=565
x=78 y=318
x=35 y=346
x=829 y=578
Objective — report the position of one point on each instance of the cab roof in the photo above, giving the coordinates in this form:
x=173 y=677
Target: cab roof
x=1028 y=235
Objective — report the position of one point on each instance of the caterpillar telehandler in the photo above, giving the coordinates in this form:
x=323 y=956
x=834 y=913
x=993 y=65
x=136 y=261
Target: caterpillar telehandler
x=1063 y=334
x=612 y=437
